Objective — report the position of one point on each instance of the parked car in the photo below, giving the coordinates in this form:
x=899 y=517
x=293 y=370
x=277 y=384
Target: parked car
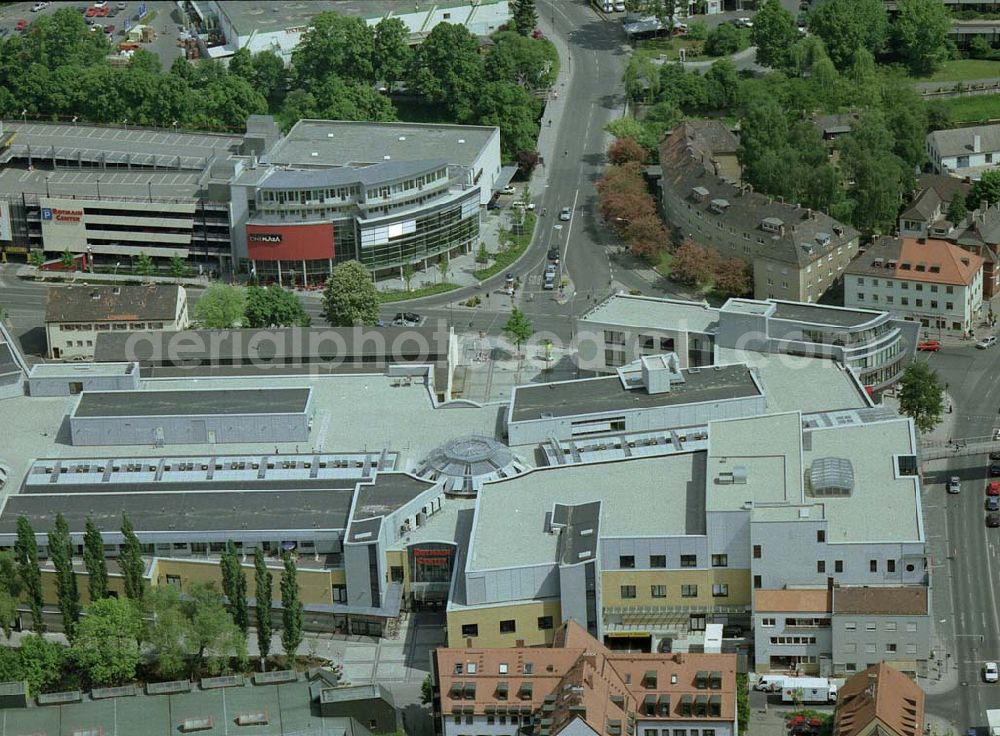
x=565 y=214
x=21 y=25
x=508 y=190
x=987 y=342
x=101 y=4
x=993 y=488
x=992 y=503
x=743 y=23
x=995 y=470
x=103 y=10
x=523 y=205
x=406 y=319
x=550 y=281
x=109 y=29
x=90 y=12
x=39 y=6
x=121 y=5
x=929 y=346
x=990 y=672
x=554 y=257
x=954 y=485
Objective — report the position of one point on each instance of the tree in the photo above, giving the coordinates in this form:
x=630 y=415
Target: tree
x=234 y=587
x=920 y=34
x=408 y=273
x=624 y=150
x=426 y=691
x=528 y=62
x=335 y=44
x=524 y=16
x=273 y=307
x=106 y=646
x=26 y=558
x=733 y=277
x=93 y=560
x=67 y=260
x=143 y=265
x=61 y=554
x=36 y=258
x=130 y=562
x=846 y=25
x=262 y=594
x=221 y=306
x=646 y=236
x=178 y=266
x=511 y=108
x=876 y=174
x=722 y=84
x=723 y=40
x=41 y=663
x=774 y=34
x=444 y=266
x=350 y=297
x=291 y=609
x=921 y=396
x=986 y=188
x=448 y=70
x=10 y=592
x=956 y=210
x=692 y=263
x=392 y=53
x=192 y=632
x=518 y=328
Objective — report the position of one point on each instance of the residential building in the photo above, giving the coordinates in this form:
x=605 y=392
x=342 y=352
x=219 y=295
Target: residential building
x=925 y=216
x=795 y=253
x=274 y=703
x=933 y=282
x=840 y=628
x=278 y=26
x=286 y=208
x=577 y=685
x=964 y=152
x=879 y=700
x=625 y=328
x=76 y=315
x=832 y=127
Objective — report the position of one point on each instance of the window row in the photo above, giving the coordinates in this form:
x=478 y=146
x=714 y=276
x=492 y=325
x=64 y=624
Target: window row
x=719 y=590
x=911 y=626
x=905 y=301
x=905 y=285
x=627 y=562
x=507 y=626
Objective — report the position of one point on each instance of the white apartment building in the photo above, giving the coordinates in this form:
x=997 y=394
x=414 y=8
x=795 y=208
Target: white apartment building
x=964 y=151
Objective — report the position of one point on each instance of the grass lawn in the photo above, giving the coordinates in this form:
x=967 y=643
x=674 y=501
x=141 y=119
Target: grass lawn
x=978 y=109
x=517 y=245
x=964 y=70
x=669 y=48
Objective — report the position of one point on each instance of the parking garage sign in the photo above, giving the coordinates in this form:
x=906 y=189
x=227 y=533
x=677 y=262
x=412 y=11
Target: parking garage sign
x=5 y=229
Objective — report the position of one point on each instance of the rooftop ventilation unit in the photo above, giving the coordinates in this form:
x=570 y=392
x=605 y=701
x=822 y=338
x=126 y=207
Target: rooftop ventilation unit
x=699 y=193
x=831 y=476
x=719 y=206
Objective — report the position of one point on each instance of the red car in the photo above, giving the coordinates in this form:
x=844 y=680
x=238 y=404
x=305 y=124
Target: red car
x=993 y=488
x=90 y=12
x=103 y=11
x=21 y=25
x=109 y=29
x=929 y=346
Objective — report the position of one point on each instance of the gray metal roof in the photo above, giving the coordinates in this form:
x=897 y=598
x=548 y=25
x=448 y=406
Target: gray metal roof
x=123 y=303
x=959 y=141
x=192 y=403
x=342 y=175
x=388 y=493
x=817 y=314
x=465 y=463
x=165 y=185
x=343 y=143
x=591 y=396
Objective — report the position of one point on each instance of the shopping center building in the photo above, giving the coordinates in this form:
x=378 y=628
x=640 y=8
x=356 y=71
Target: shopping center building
x=286 y=208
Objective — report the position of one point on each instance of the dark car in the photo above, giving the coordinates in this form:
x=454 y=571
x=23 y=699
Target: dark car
x=995 y=470
x=406 y=319
x=995 y=456
x=732 y=631
x=554 y=255
x=993 y=520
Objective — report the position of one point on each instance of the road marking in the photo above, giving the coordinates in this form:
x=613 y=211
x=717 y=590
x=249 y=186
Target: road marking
x=565 y=257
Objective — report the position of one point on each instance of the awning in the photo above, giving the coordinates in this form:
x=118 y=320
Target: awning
x=715 y=681
x=701 y=680
x=456 y=690
x=469 y=691
x=649 y=705
x=650 y=676
x=504 y=177
x=490 y=709
x=468 y=710
x=525 y=690
x=502 y=689
x=664 y=705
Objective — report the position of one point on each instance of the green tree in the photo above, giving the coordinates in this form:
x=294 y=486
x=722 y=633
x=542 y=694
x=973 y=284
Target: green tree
x=93 y=560
x=392 y=52
x=956 y=210
x=234 y=587
x=36 y=258
x=339 y=99
x=986 y=188
x=847 y=25
x=26 y=557
x=10 y=592
x=270 y=77
x=143 y=265
x=41 y=663
x=130 y=562
x=921 y=395
x=262 y=595
x=444 y=266
x=106 y=646
x=67 y=592
x=291 y=609
x=350 y=297
x=192 y=632
x=335 y=44
x=220 y=306
x=877 y=175
x=524 y=16
x=274 y=307
x=906 y=118
x=774 y=35
x=723 y=85
x=448 y=70
x=920 y=34
x=518 y=328
x=528 y=62
x=723 y=40
x=178 y=267
x=426 y=691
x=67 y=260
x=512 y=109
x=863 y=79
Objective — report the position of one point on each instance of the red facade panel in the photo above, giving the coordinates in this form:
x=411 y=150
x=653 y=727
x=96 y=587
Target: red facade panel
x=307 y=242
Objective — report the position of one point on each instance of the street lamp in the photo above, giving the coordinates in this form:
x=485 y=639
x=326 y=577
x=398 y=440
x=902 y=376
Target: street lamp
x=90 y=258
x=125 y=123
x=47 y=177
x=150 y=184
x=75 y=118
x=24 y=115
x=98 y=188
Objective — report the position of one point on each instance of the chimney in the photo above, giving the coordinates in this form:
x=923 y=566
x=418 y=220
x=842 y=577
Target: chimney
x=519 y=643
x=872 y=685
x=976 y=143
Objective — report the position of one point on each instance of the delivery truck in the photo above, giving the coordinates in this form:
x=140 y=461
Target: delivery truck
x=993 y=720
x=808 y=690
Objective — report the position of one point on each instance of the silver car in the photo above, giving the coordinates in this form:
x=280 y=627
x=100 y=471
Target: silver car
x=565 y=214
x=954 y=485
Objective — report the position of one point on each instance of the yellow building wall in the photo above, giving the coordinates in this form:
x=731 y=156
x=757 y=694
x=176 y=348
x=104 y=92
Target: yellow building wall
x=525 y=616
x=50 y=595
x=397 y=558
x=315 y=586
x=643 y=580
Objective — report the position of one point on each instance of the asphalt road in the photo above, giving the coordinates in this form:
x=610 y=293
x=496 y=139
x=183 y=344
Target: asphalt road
x=965 y=555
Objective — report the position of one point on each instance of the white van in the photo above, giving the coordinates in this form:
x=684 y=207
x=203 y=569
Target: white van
x=770 y=683
x=619 y=6
x=607 y=6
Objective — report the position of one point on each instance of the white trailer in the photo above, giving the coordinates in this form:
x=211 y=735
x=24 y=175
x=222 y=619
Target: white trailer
x=993 y=719
x=808 y=690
